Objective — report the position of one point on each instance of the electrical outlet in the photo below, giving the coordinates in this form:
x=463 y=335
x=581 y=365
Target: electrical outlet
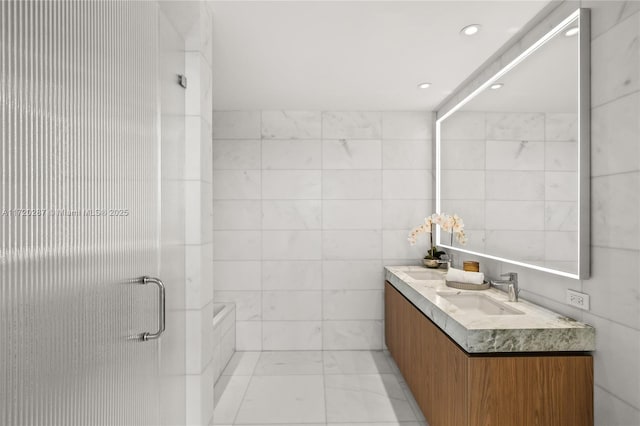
x=577 y=299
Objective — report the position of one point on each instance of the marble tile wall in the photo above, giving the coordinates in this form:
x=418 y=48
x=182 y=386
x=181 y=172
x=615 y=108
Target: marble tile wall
x=308 y=207
x=520 y=170
x=614 y=285
x=194 y=21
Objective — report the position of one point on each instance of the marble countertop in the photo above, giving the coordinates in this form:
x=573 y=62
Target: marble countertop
x=536 y=330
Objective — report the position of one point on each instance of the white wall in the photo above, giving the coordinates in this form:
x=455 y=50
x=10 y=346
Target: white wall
x=308 y=207
x=191 y=180
x=614 y=285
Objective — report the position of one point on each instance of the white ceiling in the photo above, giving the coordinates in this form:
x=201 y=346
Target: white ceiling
x=353 y=55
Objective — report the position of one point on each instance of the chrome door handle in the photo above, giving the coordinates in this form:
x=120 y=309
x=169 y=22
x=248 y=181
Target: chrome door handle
x=161 y=309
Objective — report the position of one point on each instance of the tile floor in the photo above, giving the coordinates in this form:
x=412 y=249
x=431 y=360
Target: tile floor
x=314 y=388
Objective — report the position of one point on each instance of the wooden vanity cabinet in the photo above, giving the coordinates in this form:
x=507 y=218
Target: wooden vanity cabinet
x=455 y=388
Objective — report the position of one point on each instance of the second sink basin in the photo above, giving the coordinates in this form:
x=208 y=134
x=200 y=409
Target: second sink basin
x=480 y=304
x=425 y=274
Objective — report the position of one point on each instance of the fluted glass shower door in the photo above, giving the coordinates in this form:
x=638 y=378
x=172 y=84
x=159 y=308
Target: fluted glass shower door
x=80 y=214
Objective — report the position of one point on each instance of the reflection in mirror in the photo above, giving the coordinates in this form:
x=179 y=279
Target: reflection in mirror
x=511 y=159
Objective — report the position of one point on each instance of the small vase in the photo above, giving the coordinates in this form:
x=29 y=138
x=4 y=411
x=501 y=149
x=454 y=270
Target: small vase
x=431 y=263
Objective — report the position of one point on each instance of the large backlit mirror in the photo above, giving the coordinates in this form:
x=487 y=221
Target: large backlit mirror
x=512 y=158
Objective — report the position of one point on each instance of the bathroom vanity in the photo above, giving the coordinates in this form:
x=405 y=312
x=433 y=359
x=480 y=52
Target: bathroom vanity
x=473 y=358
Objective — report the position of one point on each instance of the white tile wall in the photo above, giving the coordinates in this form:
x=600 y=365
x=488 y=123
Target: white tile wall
x=352 y=334
x=236 y=245
x=514 y=155
x=236 y=214
x=236 y=184
x=352 y=185
x=394 y=245
x=352 y=214
x=514 y=185
x=462 y=185
x=236 y=125
x=301 y=202
x=352 y=304
x=291 y=125
x=291 y=154
x=615 y=64
x=348 y=244
x=407 y=184
x=291 y=245
x=291 y=184
x=512 y=126
x=292 y=275
x=560 y=127
x=287 y=214
x=615 y=211
x=248 y=303
x=236 y=154
x=462 y=154
x=292 y=335
x=199 y=222
x=352 y=274
x=233 y=275
x=351 y=154
x=514 y=215
x=412 y=125
x=560 y=156
x=248 y=335
x=561 y=216
x=290 y=305
x=614 y=125
x=404 y=214
x=351 y=125
x=406 y=154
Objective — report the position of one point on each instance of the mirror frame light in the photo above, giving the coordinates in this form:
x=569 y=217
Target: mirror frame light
x=582 y=16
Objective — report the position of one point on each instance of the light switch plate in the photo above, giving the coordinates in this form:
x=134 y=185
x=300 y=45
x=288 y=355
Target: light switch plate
x=577 y=299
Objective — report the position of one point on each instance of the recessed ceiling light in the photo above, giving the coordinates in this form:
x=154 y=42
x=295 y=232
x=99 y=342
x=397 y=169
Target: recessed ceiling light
x=470 y=30
x=572 y=31
x=496 y=86
x=424 y=85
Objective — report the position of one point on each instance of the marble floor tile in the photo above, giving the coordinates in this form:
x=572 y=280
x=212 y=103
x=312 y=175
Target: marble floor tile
x=412 y=401
x=242 y=364
x=380 y=424
x=229 y=392
x=314 y=388
x=355 y=362
x=366 y=398
x=394 y=367
x=283 y=399
x=283 y=363
x=286 y=424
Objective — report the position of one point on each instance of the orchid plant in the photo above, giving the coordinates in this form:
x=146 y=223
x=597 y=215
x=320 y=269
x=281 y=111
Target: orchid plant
x=449 y=223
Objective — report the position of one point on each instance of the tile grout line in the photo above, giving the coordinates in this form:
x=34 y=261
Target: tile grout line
x=382 y=140
x=322 y=259
x=261 y=243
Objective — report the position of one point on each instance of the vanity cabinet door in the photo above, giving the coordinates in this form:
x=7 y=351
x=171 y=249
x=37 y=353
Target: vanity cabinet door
x=434 y=368
x=397 y=328
x=445 y=365
x=531 y=390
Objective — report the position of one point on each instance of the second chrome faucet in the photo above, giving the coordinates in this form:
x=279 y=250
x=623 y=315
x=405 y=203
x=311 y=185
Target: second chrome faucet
x=510 y=286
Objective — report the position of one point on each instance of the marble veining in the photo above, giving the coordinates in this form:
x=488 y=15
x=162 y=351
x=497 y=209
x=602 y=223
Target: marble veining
x=536 y=330
x=291 y=125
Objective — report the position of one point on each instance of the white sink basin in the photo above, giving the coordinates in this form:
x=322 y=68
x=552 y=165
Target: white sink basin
x=426 y=274
x=479 y=304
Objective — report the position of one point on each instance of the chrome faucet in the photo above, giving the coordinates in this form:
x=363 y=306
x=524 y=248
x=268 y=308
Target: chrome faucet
x=509 y=286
